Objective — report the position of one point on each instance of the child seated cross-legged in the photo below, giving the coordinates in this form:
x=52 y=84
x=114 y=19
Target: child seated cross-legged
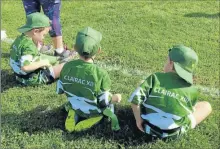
x=29 y=65
x=165 y=105
x=87 y=86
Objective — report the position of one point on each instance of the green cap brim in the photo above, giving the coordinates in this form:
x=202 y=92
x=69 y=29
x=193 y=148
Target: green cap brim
x=24 y=29
x=186 y=75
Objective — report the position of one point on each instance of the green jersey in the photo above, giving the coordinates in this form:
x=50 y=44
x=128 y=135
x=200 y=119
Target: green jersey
x=24 y=52
x=166 y=101
x=86 y=86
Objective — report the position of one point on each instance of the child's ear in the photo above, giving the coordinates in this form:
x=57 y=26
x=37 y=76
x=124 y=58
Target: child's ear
x=172 y=65
x=35 y=31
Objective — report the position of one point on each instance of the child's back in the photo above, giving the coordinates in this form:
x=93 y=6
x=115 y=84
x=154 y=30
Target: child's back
x=87 y=86
x=168 y=101
x=83 y=81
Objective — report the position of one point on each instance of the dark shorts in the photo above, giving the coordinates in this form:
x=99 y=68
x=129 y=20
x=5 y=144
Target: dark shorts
x=51 y=9
x=40 y=76
x=156 y=132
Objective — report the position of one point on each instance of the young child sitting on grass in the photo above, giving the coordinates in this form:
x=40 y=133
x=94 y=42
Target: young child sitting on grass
x=165 y=104
x=29 y=65
x=87 y=86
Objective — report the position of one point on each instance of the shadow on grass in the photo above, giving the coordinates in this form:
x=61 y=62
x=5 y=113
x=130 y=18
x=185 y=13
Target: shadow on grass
x=203 y=15
x=129 y=135
x=44 y=119
x=8 y=80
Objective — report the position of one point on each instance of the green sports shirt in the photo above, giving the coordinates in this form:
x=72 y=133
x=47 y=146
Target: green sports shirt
x=87 y=87
x=24 y=52
x=166 y=101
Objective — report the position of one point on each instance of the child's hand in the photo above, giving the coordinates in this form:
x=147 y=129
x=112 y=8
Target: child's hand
x=139 y=124
x=116 y=98
x=45 y=63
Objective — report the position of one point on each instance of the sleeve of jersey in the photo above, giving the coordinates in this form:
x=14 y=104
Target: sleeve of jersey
x=28 y=54
x=104 y=97
x=59 y=88
x=142 y=92
x=195 y=98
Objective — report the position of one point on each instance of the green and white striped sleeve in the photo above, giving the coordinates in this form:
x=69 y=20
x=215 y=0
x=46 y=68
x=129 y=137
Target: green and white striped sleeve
x=59 y=87
x=104 y=97
x=142 y=92
x=28 y=54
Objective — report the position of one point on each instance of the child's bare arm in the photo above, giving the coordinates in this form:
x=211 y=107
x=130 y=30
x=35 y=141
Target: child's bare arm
x=35 y=65
x=137 y=115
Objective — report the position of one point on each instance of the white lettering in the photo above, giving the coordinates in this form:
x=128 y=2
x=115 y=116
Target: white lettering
x=169 y=93
x=79 y=81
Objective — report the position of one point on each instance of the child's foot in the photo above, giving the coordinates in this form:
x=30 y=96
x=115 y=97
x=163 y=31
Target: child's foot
x=47 y=49
x=70 y=121
x=71 y=56
x=88 y=123
x=66 y=52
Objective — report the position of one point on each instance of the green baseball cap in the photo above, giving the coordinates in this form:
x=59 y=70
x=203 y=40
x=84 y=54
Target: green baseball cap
x=185 y=60
x=88 y=42
x=35 y=20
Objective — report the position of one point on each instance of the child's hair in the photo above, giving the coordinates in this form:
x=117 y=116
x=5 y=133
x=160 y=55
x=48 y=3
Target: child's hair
x=40 y=29
x=85 y=55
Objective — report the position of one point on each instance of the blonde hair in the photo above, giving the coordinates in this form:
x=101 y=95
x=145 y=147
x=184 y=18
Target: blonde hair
x=40 y=29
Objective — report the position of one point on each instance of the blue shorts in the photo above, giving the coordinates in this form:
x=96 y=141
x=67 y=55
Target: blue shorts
x=51 y=9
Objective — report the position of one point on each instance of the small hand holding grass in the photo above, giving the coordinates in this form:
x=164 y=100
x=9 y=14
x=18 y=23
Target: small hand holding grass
x=116 y=98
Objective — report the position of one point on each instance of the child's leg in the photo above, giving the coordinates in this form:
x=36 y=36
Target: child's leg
x=88 y=123
x=55 y=70
x=52 y=59
x=71 y=120
x=202 y=110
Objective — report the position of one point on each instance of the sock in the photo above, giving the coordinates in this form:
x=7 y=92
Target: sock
x=59 y=50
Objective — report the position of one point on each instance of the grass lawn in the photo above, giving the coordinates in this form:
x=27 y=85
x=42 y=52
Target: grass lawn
x=136 y=38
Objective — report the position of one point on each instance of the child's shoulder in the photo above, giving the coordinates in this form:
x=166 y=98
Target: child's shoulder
x=24 y=41
x=101 y=70
x=159 y=75
x=164 y=75
x=86 y=65
x=71 y=64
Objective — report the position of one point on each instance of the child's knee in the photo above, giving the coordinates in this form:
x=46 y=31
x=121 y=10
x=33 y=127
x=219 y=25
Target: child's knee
x=207 y=106
x=204 y=105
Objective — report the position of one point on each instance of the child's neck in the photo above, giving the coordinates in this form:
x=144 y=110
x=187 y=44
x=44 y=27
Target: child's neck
x=89 y=60
x=173 y=71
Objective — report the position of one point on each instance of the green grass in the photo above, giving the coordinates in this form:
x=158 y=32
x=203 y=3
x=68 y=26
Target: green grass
x=136 y=38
